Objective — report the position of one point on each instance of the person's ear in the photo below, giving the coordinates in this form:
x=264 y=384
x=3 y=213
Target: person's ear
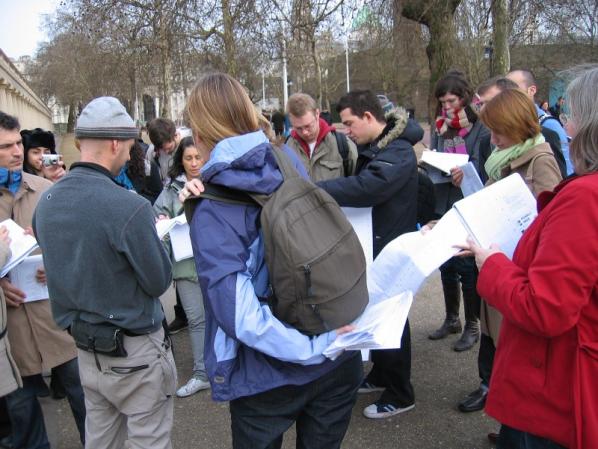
x=367 y=115
x=532 y=90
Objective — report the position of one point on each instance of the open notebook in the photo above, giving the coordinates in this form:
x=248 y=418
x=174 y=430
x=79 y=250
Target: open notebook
x=21 y=245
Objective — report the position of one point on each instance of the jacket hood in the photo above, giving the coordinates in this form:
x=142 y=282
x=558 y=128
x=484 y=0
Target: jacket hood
x=243 y=162
x=399 y=125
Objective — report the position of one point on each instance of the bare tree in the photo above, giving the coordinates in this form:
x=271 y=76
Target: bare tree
x=501 y=60
x=438 y=17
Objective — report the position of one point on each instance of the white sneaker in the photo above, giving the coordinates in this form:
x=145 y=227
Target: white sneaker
x=383 y=410
x=193 y=386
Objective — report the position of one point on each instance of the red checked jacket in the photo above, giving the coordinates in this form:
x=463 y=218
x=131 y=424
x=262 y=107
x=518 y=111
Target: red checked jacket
x=545 y=376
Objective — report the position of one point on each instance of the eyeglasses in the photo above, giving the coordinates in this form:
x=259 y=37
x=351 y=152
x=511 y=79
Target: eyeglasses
x=309 y=127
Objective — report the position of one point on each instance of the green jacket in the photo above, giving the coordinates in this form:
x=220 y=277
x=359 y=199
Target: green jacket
x=168 y=204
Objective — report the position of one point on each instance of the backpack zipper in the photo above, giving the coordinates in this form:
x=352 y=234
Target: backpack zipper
x=307 y=272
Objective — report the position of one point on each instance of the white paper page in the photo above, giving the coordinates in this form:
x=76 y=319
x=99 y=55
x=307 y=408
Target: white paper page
x=163 y=227
x=499 y=213
x=21 y=245
x=394 y=271
x=471 y=180
x=23 y=277
x=444 y=161
x=181 y=242
x=361 y=220
x=379 y=327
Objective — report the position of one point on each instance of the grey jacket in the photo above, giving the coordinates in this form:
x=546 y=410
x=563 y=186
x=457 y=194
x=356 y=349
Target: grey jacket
x=102 y=255
x=326 y=162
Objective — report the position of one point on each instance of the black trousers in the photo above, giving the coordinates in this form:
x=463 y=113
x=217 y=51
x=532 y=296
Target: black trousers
x=392 y=370
x=321 y=409
x=486 y=359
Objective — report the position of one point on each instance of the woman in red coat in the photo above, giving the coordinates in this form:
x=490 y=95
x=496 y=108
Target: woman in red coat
x=544 y=387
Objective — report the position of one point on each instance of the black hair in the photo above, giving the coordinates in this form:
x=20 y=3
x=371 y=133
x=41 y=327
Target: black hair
x=177 y=160
x=136 y=165
x=9 y=122
x=360 y=102
x=454 y=82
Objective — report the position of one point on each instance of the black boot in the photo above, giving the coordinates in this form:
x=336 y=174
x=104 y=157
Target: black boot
x=471 y=333
x=469 y=337
x=452 y=323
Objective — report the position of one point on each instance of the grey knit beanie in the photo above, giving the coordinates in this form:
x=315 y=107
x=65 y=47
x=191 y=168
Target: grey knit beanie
x=105 y=118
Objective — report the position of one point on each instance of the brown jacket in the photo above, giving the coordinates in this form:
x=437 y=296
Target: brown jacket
x=37 y=343
x=9 y=373
x=539 y=170
x=326 y=162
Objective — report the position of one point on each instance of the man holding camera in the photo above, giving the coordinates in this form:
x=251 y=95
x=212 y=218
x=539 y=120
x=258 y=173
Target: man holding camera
x=36 y=343
x=106 y=270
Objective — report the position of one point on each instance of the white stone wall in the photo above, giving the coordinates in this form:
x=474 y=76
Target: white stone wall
x=18 y=99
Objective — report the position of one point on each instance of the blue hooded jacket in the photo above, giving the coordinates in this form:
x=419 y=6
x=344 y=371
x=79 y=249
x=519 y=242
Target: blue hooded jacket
x=248 y=350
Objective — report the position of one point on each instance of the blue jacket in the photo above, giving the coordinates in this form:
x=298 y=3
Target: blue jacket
x=554 y=125
x=247 y=350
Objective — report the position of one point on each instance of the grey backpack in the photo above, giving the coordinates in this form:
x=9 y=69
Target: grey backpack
x=315 y=261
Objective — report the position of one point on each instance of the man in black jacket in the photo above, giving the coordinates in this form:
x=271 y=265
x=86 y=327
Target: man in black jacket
x=385 y=178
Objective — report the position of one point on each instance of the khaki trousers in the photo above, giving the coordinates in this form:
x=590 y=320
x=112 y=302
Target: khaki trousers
x=130 y=398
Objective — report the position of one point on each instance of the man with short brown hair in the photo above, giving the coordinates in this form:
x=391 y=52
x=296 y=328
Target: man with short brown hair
x=37 y=343
x=325 y=152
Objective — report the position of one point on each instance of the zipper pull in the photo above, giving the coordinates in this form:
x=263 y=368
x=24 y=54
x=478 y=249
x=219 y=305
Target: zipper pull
x=307 y=272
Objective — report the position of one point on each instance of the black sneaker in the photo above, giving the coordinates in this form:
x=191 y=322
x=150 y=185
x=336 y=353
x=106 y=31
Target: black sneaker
x=177 y=325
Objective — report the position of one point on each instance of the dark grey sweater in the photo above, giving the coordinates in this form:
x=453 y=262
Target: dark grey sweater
x=102 y=255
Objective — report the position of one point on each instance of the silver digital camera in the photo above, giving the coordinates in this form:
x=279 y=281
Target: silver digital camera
x=51 y=159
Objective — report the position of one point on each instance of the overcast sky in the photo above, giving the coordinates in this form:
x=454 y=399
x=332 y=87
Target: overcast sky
x=20 y=25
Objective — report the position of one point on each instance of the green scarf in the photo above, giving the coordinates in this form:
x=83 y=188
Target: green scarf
x=499 y=159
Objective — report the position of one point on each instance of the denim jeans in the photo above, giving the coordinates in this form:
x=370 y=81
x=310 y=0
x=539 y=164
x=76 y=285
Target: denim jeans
x=192 y=301
x=321 y=409
x=27 y=420
x=510 y=438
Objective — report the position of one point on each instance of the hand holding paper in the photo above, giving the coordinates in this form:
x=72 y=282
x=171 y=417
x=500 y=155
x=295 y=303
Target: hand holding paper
x=21 y=245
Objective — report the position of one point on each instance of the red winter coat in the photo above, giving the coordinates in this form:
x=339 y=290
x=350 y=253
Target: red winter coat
x=545 y=375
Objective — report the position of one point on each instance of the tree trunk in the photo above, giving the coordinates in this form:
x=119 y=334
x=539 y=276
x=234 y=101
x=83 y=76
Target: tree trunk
x=166 y=82
x=228 y=36
x=438 y=16
x=501 y=60
x=318 y=70
x=70 y=125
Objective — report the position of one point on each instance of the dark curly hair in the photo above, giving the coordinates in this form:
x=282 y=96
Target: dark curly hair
x=177 y=160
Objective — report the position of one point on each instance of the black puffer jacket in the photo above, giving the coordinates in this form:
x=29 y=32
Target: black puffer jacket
x=385 y=178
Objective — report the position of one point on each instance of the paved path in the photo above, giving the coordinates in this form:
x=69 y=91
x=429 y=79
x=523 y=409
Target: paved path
x=440 y=377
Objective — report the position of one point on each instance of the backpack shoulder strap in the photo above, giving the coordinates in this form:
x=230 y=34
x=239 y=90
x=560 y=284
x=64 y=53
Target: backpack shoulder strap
x=545 y=117
x=217 y=193
x=343 y=150
x=285 y=165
